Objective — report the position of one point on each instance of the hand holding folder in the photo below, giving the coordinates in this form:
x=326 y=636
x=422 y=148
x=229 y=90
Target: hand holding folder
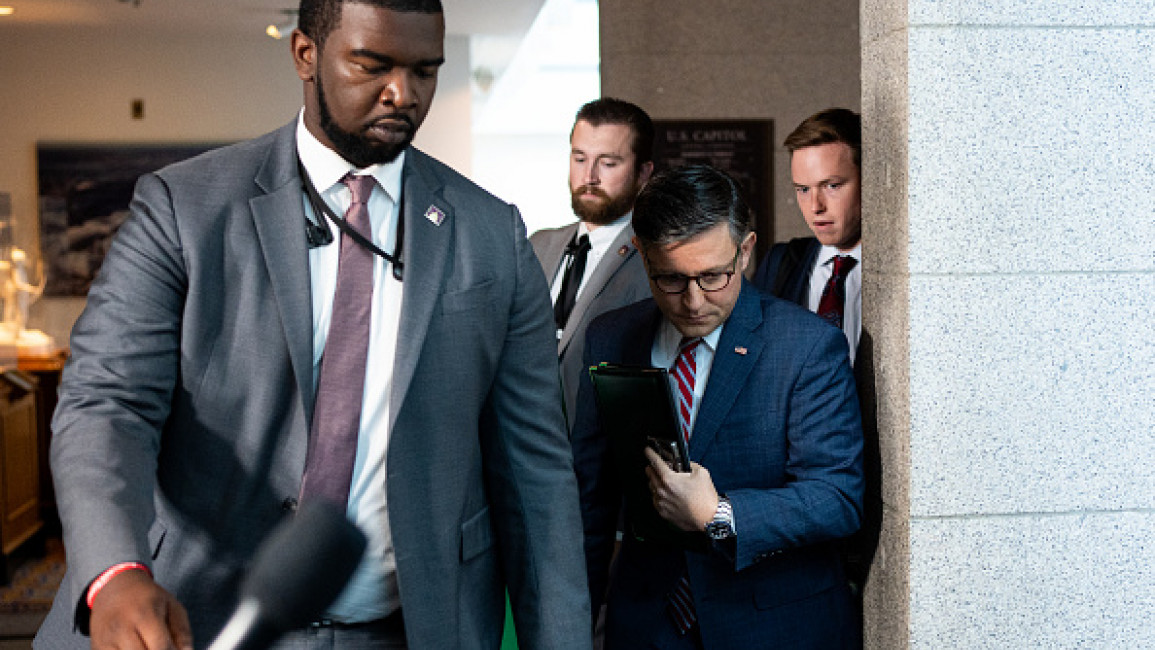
x=636 y=411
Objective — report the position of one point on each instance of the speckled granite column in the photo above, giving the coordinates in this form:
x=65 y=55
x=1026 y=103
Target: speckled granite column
x=1009 y=202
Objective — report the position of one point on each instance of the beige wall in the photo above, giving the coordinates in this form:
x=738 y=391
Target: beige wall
x=76 y=85
x=739 y=59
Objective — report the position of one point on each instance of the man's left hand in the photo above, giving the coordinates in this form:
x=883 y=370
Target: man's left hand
x=687 y=500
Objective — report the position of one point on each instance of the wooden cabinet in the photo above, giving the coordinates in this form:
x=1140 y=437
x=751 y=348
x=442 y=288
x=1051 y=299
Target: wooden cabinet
x=19 y=461
x=46 y=368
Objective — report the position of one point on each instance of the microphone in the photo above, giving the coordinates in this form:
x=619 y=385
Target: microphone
x=298 y=571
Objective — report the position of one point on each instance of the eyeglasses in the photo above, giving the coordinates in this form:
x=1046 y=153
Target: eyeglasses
x=708 y=282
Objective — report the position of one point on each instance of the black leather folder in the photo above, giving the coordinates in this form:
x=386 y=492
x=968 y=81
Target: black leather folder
x=636 y=410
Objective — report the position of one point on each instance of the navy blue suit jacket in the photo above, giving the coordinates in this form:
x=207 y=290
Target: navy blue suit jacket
x=780 y=432
x=796 y=261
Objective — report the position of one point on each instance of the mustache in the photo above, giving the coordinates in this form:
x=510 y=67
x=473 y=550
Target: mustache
x=391 y=118
x=589 y=189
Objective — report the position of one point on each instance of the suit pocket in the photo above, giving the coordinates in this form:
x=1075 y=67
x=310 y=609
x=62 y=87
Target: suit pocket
x=474 y=297
x=476 y=535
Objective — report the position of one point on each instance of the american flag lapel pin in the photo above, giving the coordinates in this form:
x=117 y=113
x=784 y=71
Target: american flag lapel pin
x=623 y=250
x=435 y=215
x=741 y=350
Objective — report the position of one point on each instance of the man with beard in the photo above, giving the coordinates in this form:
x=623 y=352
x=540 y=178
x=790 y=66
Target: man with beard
x=245 y=348
x=592 y=264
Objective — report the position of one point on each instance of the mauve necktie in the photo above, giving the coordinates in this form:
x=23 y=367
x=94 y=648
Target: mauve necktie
x=834 y=293
x=337 y=414
x=681 y=600
x=576 y=252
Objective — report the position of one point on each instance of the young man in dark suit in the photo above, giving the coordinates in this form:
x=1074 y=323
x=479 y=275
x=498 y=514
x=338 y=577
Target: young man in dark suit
x=823 y=273
x=767 y=402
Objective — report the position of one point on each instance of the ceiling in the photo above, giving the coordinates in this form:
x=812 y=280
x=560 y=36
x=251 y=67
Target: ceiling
x=496 y=17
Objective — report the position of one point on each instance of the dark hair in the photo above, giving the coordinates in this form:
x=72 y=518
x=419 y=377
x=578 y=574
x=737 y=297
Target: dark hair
x=318 y=18
x=682 y=202
x=831 y=125
x=609 y=110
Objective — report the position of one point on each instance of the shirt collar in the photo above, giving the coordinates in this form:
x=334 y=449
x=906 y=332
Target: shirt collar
x=603 y=236
x=827 y=253
x=326 y=167
x=669 y=339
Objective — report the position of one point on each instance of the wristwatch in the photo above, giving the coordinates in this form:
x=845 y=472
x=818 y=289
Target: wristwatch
x=722 y=525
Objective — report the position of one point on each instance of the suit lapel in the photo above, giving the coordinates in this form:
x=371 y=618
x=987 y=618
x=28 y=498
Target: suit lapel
x=738 y=351
x=279 y=219
x=555 y=251
x=638 y=342
x=610 y=263
x=426 y=256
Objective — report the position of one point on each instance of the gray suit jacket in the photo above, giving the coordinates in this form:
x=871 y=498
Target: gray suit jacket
x=620 y=279
x=183 y=418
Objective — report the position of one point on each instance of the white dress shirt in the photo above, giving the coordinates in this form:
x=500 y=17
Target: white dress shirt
x=852 y=308
x=372 y=592
x=600 y=240
x=665 y=351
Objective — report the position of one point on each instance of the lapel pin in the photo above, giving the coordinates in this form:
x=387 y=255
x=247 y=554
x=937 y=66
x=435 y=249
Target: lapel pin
x=623 y=250
x=435 y=215
x=741 y=350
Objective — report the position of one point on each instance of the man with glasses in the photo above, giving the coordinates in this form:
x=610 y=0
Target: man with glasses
x=766 y=400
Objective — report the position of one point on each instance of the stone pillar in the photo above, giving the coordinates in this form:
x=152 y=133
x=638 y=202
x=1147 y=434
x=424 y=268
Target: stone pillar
x=1009 y=185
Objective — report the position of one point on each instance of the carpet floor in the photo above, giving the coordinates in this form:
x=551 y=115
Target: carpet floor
x=26 y=599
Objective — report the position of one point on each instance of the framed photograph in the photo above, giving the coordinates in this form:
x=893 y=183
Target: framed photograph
x=85 y=191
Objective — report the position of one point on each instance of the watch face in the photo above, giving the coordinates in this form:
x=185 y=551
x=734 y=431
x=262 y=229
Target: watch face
x=717 y=530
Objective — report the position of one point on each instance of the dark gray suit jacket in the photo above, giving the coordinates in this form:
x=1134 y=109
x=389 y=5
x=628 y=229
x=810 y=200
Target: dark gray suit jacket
x=183 y=418
x=620 y=279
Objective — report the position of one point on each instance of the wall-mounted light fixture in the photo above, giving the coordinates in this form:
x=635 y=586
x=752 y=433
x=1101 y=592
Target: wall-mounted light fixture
x=7 y=11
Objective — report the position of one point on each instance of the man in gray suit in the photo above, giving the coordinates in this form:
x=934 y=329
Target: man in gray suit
x=593 y=265
x=186 y=413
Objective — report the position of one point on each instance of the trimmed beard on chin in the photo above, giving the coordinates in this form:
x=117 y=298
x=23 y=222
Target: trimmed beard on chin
x=608 y=210
x=359 y=151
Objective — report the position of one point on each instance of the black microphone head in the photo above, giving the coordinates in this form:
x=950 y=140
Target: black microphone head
x=301 y=568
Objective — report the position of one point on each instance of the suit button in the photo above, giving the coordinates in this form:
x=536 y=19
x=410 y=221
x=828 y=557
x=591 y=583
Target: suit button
x=289 y=504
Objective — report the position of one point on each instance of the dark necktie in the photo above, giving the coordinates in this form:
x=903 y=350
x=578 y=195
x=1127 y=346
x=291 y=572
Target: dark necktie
x=337 y=414
x=834 y=293
x=575 y=254
x=681 y=599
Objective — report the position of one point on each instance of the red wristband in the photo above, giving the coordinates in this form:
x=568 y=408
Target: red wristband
x=110 y=573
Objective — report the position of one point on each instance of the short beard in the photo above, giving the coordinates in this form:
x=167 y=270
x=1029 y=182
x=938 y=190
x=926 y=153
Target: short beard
x=358 y=150
x=605 y=212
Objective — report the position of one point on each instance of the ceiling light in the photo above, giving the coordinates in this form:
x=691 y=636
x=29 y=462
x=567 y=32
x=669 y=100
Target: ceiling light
x=286 y=24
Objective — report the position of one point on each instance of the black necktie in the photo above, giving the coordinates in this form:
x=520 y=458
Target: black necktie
x=575 y=254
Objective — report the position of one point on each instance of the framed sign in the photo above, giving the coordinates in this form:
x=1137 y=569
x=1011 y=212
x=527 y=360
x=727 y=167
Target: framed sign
x=741 y=148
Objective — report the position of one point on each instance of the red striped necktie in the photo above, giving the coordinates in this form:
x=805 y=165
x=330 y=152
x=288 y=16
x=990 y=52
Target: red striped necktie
x=685 y=372
x=681 y=599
